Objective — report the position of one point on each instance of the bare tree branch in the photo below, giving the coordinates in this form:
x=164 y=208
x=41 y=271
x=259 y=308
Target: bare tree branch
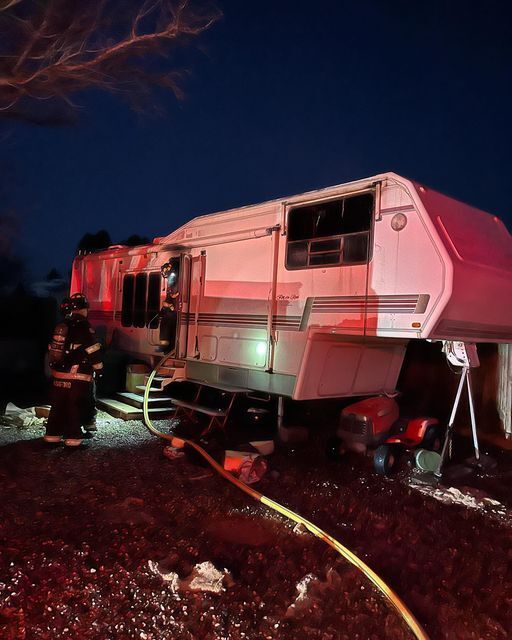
x=54 y=49
x=8 y=4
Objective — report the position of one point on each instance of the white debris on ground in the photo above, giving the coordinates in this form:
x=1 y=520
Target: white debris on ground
x=173 y=453
x=171 y=577
x=205 y=577
x=311 y=590
x=22 y=418
x=302 y=593
x=469 y=498
x=300 y=530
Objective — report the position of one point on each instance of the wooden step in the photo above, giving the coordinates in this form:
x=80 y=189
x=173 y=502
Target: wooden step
x=125 y=411
x=167 y=372
x=160 y=382
x=157 y=380
x=137 y=400
x=172 y=363
x=153 y=391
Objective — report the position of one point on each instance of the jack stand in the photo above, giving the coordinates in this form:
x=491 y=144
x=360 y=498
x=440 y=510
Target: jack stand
x=465 y=356
x=447 y=446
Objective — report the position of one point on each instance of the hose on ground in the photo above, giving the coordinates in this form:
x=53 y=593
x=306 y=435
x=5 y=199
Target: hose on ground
x=388 y=593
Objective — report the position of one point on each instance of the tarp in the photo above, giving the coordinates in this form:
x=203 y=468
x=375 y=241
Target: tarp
x=16 y=417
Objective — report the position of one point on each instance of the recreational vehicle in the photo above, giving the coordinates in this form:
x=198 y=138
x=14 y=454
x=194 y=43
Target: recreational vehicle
x=311 y=296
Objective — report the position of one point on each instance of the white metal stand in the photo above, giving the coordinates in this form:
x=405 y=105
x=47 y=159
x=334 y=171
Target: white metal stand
x=466 y=361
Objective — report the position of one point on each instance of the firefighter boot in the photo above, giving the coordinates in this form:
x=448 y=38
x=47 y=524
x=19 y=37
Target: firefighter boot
x=73 y=442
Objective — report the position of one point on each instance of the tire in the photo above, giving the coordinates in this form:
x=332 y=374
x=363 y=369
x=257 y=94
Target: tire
x=385 y=459
x=333 y=449
x=433 y=438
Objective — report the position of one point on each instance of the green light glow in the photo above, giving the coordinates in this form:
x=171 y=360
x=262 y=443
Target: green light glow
x=261 y=348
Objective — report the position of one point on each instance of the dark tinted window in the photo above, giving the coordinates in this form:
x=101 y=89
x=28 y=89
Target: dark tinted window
x=355 y=248
x=127 y=308
x=330 y=233
x=316 y=221
x=154 y=284
x=357 y=213
x=139 y=308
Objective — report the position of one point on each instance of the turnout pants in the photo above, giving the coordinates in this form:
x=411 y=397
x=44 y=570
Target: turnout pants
x=69 y=400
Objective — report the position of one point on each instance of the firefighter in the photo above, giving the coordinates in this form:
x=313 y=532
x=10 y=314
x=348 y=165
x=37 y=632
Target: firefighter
x=89 y=417
x=75 y=357
x=169 y=310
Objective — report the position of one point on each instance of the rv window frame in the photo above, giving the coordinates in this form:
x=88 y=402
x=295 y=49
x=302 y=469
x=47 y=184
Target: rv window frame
x=128 y=314
x=153 y=277
x=368 y=233
x=127 y=310
x=140 y=310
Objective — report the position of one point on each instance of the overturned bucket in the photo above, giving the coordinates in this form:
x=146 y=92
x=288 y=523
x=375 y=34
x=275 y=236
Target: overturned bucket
x=426 y=460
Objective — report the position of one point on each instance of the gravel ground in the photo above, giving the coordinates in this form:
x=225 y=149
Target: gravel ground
x=105 y=543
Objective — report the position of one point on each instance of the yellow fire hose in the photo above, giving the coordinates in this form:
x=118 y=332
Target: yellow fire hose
x=389 y=594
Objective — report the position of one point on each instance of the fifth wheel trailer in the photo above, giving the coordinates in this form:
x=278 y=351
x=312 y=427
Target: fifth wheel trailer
x=311 y=296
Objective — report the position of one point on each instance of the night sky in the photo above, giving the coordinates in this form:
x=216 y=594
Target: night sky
x=283 y=96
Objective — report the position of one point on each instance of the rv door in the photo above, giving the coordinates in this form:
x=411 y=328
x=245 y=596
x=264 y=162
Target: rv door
x=183 y=307
x=156 y=290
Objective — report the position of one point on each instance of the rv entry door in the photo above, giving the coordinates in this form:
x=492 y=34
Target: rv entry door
x=183 y=306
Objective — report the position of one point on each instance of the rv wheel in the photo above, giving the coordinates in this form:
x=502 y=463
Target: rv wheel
x=433 y=438
x=333 y=449
x=385 y=459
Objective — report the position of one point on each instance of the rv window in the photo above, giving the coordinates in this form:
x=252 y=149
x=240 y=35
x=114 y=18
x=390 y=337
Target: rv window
x=139 y=307
x=155 y=280
x=127 y=308
x=357 y=213
x=330 y=233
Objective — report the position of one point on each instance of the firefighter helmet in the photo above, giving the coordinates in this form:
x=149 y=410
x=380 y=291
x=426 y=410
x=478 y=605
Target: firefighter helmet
x=167 y=268
x=65 y=306
x=78 y=301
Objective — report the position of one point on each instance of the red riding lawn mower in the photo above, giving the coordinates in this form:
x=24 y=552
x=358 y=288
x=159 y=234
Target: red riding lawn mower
x=375 y=423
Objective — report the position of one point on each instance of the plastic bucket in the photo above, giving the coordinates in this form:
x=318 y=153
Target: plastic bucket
x=426 y=460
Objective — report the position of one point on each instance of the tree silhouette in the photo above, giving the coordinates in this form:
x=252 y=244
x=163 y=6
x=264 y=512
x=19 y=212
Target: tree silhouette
x=101 y=240
x=94 y=241
x=135 y=240
x=50 y=50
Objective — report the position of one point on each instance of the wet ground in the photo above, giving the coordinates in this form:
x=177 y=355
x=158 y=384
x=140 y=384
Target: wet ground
x=105 y=542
